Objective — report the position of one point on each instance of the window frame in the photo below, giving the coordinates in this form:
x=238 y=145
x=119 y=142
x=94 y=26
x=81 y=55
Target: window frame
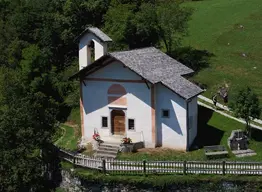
x=106 y=121
x=128 y=124
x=162 y=113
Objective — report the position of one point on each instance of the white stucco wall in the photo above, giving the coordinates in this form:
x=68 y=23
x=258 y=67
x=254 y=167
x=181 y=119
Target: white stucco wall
x=100 y=48
x=96 y=102
x=171 y=132
x=192 y=113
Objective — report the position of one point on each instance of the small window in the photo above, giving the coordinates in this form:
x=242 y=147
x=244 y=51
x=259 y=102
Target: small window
x=131 y=124
x=104 y=122
x=165 y=113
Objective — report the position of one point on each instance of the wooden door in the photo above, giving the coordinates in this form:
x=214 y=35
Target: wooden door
x=118 y=122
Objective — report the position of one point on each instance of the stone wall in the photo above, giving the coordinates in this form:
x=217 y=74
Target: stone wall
x=71 y=183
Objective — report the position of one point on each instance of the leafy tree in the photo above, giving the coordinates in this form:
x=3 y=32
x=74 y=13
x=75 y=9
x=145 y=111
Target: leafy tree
x=37 y=55
x=172 y=21
x=134 y=24
x=27 y=122
x=246 y=106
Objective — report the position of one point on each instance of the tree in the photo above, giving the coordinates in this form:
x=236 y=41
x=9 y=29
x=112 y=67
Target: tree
x=172 y=23
x=141 y=23
x=27 y=123
x=37 y=54
x=246 y=106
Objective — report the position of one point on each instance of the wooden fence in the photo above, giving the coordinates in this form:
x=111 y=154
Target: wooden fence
x=163 y=167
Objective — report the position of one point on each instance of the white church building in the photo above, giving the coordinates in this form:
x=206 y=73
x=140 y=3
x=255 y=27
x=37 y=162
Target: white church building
x=142 y=94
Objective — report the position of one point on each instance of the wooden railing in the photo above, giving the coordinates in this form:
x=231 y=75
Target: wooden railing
x=162 y=167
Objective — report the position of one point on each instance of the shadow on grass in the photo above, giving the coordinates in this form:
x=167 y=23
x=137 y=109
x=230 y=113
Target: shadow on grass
x=256 y=134
x=206 y=134
x=193 y=58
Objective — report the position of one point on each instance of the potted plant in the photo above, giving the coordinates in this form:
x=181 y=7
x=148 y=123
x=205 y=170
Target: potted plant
x=126 y=145
x=96 y=137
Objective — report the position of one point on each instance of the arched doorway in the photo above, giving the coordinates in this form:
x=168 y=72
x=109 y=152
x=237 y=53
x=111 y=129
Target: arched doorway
x=118 y=122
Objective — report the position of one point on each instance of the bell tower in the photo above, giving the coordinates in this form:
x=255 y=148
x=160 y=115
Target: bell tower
x=93 y=44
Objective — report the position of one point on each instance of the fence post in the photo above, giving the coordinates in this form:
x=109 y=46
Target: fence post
x=184 y=168
x=104 y=166
x=144 y=167
x=224 y=167
x=74 y=161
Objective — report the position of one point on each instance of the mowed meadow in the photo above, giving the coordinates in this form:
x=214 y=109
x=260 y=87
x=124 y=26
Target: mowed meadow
x=232 y=31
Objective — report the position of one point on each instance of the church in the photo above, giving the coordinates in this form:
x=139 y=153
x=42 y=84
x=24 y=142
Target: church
x=142 y=94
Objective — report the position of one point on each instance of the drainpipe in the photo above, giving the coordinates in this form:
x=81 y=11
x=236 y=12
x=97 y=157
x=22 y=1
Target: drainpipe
x=187 y=130
x=187 y=124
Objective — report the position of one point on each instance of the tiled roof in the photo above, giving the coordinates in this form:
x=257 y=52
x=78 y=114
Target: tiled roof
x=157 y=67
x=97 y=32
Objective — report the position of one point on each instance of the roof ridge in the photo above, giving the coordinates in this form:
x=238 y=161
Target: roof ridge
x=136 y=49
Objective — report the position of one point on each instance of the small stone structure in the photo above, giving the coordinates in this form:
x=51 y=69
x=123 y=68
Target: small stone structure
x=238 y=143
x=133 y=147
x=238 y=140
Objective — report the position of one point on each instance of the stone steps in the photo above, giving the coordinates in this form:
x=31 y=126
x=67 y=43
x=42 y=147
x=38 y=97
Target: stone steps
x=244 y=153
x=107 y=150
x=110 y=145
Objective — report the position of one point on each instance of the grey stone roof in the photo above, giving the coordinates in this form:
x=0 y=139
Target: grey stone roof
x=97 y=32
x=100 y=34
x=157 y=67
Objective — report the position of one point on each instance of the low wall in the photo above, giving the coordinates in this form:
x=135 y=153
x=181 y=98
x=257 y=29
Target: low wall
x=71 y=183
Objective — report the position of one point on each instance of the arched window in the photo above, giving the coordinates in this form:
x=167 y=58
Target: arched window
x=91 y=49
x=117 y=95
x=116 y=89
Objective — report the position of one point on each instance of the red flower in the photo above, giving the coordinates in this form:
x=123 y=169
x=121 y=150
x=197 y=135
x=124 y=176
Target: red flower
x=126 y=140
x=96 y=136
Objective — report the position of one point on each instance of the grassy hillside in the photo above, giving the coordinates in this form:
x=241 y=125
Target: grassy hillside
x=231 y=30
x=213 y=129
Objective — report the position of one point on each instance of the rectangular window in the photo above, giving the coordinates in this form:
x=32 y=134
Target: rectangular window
x=104 y=122
x=165 y=113
x=131 y=124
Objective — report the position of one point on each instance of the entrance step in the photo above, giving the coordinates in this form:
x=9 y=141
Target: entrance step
x=107 y=150
x=113 y=139
x=110 y=145
x=244 y=153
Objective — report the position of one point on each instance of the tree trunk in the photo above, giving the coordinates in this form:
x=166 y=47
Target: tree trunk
x=166 y=45
x=248 y=128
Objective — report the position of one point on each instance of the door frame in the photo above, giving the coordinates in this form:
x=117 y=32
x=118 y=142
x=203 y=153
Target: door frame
x=124 y=109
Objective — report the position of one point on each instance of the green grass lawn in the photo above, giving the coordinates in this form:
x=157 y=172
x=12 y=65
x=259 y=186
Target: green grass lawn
x=215 y=27
x=74 y=116
x=69 y=138
x=214 y=129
